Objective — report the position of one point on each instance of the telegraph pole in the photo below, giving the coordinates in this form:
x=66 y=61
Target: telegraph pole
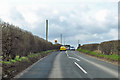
x=46 y=30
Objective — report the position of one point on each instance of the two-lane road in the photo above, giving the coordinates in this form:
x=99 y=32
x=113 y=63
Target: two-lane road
x=70 y=64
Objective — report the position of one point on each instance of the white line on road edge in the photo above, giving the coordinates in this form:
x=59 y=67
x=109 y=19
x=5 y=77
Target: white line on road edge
x=80 y=67
x=71 y=57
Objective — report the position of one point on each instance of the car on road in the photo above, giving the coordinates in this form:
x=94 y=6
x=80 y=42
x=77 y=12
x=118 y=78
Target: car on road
x=72 y=48
x=62 y=48
x=67 y=48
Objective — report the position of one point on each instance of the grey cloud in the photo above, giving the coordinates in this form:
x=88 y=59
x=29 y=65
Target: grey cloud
x=74 y=25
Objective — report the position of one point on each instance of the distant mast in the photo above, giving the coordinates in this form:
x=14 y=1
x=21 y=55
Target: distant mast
x=46 y=30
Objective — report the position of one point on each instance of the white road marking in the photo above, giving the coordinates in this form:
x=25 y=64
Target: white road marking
x=108 y=70
x=67 y=54
x=74 y=58
x=71 y=57
x=80 y=67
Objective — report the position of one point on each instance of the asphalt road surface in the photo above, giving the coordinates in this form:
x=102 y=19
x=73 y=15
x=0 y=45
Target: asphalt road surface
x=70 y=64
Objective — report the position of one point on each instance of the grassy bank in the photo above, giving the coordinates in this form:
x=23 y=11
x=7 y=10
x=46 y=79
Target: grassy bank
x=113 y=57
x=12 y=67
x=24 y=58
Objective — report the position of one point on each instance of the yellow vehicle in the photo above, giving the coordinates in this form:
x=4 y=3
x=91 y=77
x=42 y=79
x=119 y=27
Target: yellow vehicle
x=62 y=48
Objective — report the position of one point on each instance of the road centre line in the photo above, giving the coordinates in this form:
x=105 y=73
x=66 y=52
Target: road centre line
x=67 y=54
x=108 y=70
x=74 y=58
x=80 y=67
x=71 y=57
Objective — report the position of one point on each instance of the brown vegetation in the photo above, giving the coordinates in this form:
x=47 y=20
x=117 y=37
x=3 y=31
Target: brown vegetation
x=16 y=41
x=107 y=47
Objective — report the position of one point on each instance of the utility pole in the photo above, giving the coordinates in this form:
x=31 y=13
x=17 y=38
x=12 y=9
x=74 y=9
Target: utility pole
x=46 y=30
x=61 y=38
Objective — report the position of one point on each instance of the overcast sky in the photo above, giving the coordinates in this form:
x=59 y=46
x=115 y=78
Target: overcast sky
x=90 y=21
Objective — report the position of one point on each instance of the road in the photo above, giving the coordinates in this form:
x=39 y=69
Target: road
x=70 y=64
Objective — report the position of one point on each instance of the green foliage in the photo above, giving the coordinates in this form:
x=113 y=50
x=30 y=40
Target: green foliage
x=1 y=57
x=17 y=58
x=6 y=62
x=23 y=58
x=1 y=61
x=33 y=55
x=13 y=61
x=93 y=53
x=112 y=57
x=83 y=50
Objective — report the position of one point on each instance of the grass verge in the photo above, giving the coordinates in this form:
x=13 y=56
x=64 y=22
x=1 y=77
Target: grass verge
x=113 y=57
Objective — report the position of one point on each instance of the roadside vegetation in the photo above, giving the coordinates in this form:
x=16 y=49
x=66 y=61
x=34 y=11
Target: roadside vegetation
x=113 y=57
x=14 y=66
x=19 y=42
x=20 y=49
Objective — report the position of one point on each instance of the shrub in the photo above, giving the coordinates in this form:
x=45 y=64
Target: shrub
x=7 y=62
x=16 y=41
x=19 y=60
x=24 y=58
x=14 y=61
x=1 y=61
x=1 y=57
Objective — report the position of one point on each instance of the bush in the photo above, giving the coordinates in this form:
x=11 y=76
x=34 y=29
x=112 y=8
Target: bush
x=1 y=61
x=16 y=41
x=13 y=61
x=24 y=58
x=1 y=57
x=6 y=62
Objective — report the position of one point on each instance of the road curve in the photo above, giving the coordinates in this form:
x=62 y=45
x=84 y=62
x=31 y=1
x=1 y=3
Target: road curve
x=70 y=64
